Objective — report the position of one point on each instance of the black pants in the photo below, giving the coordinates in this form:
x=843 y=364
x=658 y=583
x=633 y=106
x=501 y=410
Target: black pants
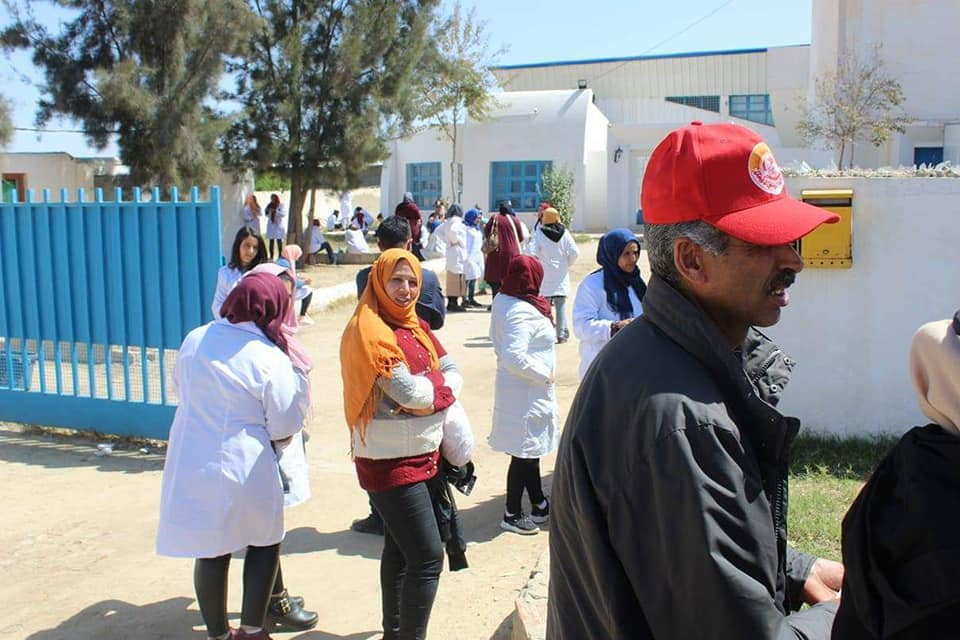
x=494 y=287
x=523 y=473
x=279 y=247
x=471 y=290
x=210 y=583
x=305 y=303
x=411 y=561
x=326 y=247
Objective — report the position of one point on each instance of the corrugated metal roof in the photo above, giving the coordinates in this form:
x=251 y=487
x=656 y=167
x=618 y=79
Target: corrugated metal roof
x=692 y=54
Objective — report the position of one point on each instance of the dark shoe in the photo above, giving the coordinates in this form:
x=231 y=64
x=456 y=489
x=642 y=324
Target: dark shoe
x=562 y=339
x=287 y=613
x=243 y=635
x=538 y=515
x=473 y=304
x=520 y=523
x=371 y=524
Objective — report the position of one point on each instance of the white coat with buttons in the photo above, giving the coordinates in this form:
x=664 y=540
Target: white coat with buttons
x=221 y=489
x=526 y=419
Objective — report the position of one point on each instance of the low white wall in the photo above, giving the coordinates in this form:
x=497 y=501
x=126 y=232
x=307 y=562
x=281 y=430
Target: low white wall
x=850 y=329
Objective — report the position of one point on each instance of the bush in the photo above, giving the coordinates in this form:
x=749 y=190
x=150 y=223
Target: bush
x=558 y=190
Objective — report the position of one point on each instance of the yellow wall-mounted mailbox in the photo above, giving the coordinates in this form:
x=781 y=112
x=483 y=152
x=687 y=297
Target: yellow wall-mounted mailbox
x=829 y=246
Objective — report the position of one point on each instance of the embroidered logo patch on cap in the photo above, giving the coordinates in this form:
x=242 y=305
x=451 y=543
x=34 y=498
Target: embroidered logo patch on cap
x=764 y=170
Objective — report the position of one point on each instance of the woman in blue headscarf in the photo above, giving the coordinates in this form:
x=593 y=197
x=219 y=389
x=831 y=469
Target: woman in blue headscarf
x=609 y=298
x=473 y=267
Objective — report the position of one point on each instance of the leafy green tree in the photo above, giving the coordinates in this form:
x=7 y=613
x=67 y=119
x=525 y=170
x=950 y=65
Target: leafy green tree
x=143 y=70
x=6 y=122
x=860 y=102
x=559 y=190
x=459 y=80
x=325 y=86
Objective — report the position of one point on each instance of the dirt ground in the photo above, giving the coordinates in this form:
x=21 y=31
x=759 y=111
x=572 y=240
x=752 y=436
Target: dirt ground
x=79 y=528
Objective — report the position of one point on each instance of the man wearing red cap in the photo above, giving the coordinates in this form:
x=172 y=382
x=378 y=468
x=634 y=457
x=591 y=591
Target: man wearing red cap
x=670 y=488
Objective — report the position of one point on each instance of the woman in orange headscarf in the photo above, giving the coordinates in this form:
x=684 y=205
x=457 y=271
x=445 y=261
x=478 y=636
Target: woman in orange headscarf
x=397 y=383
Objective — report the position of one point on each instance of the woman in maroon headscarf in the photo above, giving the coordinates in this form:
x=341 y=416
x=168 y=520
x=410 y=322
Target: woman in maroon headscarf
x=241 y=399
x=526 y=422
x=503 y=235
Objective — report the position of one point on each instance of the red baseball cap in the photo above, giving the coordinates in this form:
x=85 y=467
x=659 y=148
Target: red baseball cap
x=725 y=175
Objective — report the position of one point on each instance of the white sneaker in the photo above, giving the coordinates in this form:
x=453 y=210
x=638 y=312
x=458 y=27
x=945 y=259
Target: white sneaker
x=307 y=321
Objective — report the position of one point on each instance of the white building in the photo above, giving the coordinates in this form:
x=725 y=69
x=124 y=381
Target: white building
x=543 y=119
x=22 y=172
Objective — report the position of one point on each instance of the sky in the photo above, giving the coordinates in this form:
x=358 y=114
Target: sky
x=529 y=30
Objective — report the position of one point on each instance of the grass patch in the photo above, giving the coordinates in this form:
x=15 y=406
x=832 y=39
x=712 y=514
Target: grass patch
x=826 y=474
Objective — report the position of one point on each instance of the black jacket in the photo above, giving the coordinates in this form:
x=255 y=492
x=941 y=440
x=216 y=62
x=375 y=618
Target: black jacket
x=670 y=489
x=901 y=544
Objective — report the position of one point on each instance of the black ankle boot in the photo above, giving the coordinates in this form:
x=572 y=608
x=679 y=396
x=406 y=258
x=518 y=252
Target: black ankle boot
x=289 y=613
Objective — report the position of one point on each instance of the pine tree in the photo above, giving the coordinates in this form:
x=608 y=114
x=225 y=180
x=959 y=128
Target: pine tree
x=325 y=86
x=143 y=70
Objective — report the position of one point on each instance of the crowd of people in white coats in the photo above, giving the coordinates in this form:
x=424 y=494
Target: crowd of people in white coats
x=244 y=390
x=672 y=460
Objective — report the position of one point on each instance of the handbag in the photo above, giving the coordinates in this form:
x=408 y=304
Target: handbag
x=491 y=243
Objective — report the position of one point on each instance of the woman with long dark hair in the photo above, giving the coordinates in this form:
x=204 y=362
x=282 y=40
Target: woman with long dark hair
x=248 y=252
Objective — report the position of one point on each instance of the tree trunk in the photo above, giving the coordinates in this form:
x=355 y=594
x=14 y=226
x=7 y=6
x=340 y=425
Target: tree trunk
x=308 y=234
x=453 y=164
x=843 y=147
x=298 y=192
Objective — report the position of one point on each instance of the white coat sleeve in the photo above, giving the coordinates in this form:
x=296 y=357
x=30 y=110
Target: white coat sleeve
x=223 y=289
x=572 y=251
x=285 y=400
x=587 y=323
x=518 y=331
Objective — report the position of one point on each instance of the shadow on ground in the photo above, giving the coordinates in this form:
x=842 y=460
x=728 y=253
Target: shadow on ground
x=58 y=452
x=117 y=619
x=169 y=619
x=481 y=521
x=345 y=543
x=478 y=342
x=505 y=630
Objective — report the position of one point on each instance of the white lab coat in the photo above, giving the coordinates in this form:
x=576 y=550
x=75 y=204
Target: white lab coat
x=356 y=243
x=436 y=246
x=592 y=317
x=473 y=267
x=455 y=235
x=277 y=230
x=221 y=488
x=250 y=220
x=526 y=419
x=227 y=279
x=556 y=258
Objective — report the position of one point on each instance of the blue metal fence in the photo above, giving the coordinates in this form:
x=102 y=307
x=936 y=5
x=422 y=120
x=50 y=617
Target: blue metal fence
x=95 y=298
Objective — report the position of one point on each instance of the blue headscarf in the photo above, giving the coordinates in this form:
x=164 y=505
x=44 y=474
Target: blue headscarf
x=615 y=280
x=470 y=217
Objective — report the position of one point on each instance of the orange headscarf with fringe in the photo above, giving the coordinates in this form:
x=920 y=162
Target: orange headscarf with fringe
x=369 y=347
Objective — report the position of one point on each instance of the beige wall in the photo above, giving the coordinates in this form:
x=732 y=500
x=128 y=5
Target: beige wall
x=56 y=171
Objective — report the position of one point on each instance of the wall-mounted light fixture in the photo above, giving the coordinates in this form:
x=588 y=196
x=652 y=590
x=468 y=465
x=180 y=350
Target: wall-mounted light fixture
x=581 y=84
x=618 y=154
